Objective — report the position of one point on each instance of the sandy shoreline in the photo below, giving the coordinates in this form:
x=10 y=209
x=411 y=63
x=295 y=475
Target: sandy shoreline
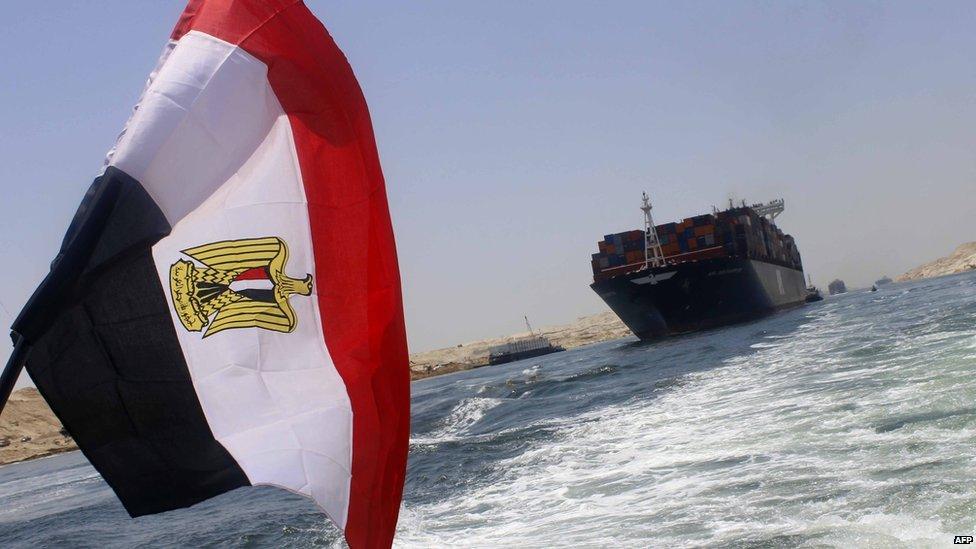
x=29 y=429
x=474 y=354
x=962 y=259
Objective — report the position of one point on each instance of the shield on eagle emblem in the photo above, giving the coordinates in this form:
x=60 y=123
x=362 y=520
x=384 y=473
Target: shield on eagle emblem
x=237 y=284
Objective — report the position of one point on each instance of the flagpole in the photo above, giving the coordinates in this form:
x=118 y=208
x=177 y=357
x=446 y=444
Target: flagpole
x=14 y=366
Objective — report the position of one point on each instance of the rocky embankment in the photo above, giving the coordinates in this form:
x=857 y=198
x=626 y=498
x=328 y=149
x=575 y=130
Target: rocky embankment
x=961 y=260
x=28 y=429
x=586 y=330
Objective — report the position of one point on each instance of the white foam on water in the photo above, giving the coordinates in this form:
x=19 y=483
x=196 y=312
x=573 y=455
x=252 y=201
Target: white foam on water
x=36 y=496
x=846 y=433
x=456 y=425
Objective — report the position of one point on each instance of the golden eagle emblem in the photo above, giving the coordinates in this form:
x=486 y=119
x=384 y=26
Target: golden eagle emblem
x=242 y=282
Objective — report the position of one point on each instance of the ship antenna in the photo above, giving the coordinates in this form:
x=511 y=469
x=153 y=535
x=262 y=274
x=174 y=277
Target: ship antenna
x=653 y=254
x=529 y=326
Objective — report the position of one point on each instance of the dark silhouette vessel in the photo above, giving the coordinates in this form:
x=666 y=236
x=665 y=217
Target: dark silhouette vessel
x=707 y=271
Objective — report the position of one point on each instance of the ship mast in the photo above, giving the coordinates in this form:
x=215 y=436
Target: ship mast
x=653 y=255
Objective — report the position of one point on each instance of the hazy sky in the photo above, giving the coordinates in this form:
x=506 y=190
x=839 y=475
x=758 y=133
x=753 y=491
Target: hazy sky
x=513 y=135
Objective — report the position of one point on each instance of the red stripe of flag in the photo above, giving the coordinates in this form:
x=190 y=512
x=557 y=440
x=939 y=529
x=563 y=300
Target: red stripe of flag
x=352 y=237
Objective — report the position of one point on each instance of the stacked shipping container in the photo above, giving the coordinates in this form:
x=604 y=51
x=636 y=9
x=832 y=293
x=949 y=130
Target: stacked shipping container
x=735 y=232
x=619 y=250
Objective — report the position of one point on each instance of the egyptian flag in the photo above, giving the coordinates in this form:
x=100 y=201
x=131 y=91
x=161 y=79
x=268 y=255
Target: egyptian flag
x=225 y=309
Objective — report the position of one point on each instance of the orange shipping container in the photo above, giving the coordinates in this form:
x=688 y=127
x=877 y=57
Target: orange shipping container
x=704 y=229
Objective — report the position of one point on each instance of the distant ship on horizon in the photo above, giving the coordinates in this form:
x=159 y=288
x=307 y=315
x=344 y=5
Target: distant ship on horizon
x=837 y=287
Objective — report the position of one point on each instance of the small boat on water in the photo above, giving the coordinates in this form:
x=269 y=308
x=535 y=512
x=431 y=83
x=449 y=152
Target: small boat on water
x=813 y=293
x=522 y=347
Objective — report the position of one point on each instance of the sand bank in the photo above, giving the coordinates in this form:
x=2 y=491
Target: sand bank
x=961 y=260
x=586 y=330
x=28 y=429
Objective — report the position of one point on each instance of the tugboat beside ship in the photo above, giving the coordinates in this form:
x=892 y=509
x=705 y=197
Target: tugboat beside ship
x=705 y=271
x=813 y=293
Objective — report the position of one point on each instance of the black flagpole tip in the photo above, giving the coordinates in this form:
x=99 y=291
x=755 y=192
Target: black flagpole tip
x=15 y=364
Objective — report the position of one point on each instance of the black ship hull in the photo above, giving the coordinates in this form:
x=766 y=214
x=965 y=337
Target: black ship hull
x=521 y=355
x=702 y=294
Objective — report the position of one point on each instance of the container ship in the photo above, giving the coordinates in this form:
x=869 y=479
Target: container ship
x=709 y=270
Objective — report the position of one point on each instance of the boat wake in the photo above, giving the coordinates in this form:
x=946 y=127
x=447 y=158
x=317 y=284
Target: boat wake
x=822 y=437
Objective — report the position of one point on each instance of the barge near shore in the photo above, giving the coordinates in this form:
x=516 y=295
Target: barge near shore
x=522 y=347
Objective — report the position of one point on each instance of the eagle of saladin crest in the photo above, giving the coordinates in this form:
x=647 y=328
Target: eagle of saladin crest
x=224 y=285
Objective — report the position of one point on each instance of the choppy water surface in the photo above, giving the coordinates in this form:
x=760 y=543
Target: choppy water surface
x=847 y=423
